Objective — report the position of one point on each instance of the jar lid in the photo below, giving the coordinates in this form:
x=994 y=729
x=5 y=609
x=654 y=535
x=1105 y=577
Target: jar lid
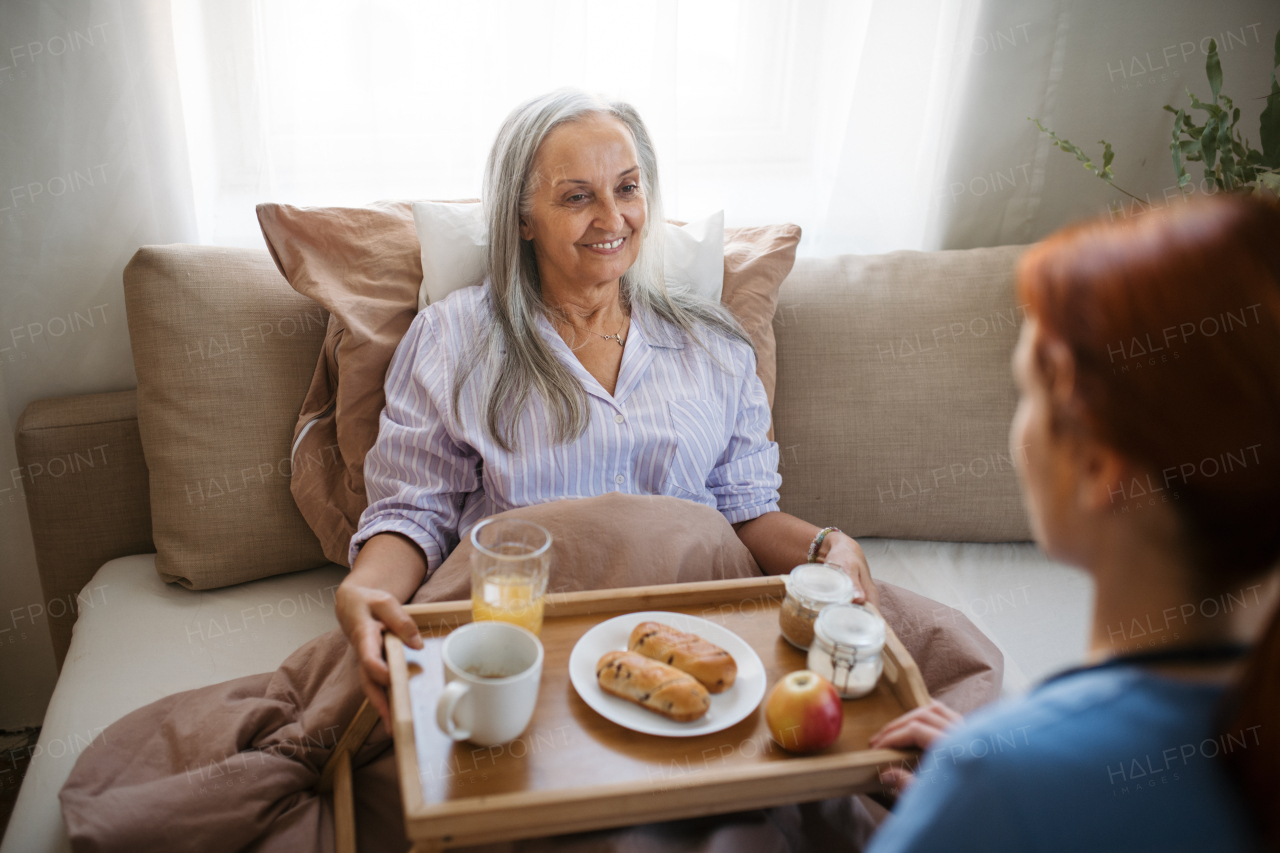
x=818 y=583
x=850 y=625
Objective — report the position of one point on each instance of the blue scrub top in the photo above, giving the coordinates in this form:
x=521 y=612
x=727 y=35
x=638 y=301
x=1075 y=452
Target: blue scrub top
x=1105 y=759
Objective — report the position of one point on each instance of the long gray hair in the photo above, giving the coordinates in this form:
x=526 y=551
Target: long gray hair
x=517 y=359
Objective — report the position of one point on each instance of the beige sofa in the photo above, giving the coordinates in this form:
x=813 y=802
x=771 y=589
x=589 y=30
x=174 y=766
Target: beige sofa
x=892 y=408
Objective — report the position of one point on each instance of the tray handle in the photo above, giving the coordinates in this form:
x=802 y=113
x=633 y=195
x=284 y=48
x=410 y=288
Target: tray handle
x=901 y=671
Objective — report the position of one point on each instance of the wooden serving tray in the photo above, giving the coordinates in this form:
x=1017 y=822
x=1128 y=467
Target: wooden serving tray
x=572 y=770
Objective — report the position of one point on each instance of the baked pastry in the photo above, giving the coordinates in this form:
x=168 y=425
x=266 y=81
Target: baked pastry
x=711 y=665
x=653 y=686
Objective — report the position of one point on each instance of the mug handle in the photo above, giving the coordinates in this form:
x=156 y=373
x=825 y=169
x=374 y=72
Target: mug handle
x=449 y=698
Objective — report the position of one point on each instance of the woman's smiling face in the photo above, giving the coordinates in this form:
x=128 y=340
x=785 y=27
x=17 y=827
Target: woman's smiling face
x=588 y=209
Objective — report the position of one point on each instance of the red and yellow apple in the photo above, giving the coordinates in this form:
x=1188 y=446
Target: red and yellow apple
x=804 y=712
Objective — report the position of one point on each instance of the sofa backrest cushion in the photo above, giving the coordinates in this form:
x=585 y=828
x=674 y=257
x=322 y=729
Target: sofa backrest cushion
x=892 y=406
x=895 y=394
x=224 y=350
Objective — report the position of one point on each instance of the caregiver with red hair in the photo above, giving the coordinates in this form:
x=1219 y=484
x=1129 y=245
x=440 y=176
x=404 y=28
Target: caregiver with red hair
x=1149 y=371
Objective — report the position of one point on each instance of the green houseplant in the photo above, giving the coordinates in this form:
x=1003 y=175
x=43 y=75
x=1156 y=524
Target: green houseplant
x=1230 y=162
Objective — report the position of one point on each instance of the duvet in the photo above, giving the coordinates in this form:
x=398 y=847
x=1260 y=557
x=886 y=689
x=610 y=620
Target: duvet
x=232 y=767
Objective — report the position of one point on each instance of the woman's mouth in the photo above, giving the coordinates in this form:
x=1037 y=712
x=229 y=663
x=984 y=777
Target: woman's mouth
x=608 y=247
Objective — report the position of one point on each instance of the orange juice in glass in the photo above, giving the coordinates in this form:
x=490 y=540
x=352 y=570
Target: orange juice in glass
x=509 y=570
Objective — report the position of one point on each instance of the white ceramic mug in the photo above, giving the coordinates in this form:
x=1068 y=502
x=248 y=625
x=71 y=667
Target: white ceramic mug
x=492 y=671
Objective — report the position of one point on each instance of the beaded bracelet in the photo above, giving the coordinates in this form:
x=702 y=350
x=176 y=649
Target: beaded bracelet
x=817 y=542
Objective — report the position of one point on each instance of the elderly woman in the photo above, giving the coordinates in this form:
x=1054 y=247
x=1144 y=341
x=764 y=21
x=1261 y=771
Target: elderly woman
x=573 y=372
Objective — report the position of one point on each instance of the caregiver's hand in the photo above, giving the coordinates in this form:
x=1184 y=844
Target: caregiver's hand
x=919 y=729
x=842 y=552
x=388 y=570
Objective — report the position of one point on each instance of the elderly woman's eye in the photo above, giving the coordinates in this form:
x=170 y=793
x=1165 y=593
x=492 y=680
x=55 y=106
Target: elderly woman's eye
x=630 y=189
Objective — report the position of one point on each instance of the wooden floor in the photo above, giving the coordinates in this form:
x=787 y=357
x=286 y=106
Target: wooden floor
x=15 y=756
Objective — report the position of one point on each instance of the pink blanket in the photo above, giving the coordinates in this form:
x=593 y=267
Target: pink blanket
x=231 y=767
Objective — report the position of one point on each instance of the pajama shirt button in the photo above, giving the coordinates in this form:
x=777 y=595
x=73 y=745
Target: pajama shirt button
x=619 y=479
x=617 y=419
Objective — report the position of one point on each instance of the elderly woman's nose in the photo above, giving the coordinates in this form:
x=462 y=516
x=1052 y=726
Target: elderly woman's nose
x=608 y=216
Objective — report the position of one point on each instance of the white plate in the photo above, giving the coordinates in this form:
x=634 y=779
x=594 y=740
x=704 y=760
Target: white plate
x=727 y=708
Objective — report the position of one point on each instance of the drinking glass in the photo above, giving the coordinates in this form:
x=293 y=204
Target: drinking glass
x=509 y=570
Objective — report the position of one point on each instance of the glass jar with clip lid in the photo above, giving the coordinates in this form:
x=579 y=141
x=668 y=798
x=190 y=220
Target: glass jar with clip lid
x=810 y=588
x=848 y=640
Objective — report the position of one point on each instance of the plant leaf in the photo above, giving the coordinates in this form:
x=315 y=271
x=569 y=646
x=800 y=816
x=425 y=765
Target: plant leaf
x=1175 y=149
x=1209 y=142
x=1269 y=121
x=1071 y=148
x=1212 y=109
x=1213 y=69
x=1226 y=157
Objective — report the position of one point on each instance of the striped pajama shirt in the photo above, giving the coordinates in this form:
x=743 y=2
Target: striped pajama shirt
x=683 y=421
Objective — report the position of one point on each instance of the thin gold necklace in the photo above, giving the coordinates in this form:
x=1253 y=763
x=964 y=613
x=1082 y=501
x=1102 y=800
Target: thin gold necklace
x=616 y=336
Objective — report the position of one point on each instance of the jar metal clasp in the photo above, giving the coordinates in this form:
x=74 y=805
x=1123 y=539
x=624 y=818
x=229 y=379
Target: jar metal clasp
x=843 y=659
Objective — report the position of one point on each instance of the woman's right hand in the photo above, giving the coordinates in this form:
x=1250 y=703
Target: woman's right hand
x=368 y=602
x=364 y=613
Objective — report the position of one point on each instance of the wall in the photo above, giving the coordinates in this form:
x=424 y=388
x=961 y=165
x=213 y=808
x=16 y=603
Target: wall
x=1089 y=70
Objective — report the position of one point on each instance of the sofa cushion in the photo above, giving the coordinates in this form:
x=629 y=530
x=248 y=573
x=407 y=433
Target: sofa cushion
x=363 y=265
x=895 y=394
x=224 y=350
x=757 y=261
x=138 y=640
x=71 y=452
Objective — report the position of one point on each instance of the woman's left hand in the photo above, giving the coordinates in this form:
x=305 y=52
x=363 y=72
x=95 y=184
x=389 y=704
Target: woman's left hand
x=842 y=552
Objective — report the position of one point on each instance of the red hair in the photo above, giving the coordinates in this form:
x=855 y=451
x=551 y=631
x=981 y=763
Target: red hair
x=1172 y=322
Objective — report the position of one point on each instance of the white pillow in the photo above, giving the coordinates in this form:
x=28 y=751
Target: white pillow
x=455 y=242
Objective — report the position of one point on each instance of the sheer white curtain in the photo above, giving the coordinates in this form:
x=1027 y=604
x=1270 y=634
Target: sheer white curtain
x=130 y=122
x=818 y=112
